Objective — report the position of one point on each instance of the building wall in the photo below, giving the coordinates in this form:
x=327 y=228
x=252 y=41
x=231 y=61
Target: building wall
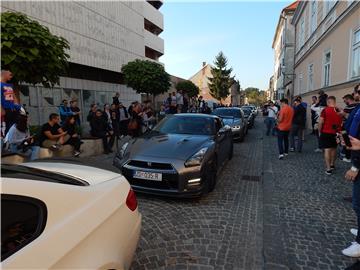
x=102 y=34
x=333 y=33
x=201 y=79
x=338 y=42
x=283 y=46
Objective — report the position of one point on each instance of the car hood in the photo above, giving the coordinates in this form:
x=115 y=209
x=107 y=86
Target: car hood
x=231 y=121
x=172 y=146
x=89 y=174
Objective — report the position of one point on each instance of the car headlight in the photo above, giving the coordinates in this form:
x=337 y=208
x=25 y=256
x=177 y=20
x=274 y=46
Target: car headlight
x=122 y=151
x=235 y=127
x=197 y=158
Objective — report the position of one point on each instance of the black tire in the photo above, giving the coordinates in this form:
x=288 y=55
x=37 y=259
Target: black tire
x=211 y=175
x=231 y=152
x=242 y=137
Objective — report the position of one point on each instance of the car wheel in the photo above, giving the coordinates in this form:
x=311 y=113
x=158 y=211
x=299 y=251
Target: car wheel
x=231 y=152
x=242 y=137
x=211 y=177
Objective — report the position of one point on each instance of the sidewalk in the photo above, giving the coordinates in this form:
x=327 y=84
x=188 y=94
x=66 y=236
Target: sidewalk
x=306 y=220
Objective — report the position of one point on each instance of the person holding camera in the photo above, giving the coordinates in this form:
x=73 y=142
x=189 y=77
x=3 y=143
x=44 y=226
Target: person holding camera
x=330 y=123
x=19 y=140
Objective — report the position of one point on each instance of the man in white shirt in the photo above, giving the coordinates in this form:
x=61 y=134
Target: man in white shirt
x=179 y=101
x=271 y=119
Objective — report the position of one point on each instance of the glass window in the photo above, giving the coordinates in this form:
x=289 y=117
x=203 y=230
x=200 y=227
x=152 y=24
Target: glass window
x=355 y=61
x=311 y=77
x=22 y=220
x=313 y=16
x=327 y=63
x=186 y=125
x=302 y=33
x=300 y=83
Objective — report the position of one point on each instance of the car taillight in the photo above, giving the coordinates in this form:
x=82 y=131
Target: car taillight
x=131 y=201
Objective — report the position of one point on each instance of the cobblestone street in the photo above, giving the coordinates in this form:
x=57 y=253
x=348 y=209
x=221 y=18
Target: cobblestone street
x=263 y=214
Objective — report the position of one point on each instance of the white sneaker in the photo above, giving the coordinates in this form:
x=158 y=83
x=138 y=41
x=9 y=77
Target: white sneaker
x=354 y=231
x=286 y=154
x=352 y=251
x=346 y=160
x=281 y=156
x=317 y=150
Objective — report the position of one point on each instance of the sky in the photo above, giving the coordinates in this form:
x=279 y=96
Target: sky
x=195 y=32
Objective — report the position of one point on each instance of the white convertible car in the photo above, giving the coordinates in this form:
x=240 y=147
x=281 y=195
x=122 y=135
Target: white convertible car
x=66 y=216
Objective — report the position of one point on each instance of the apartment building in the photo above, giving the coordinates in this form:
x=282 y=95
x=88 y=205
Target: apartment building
x=283 y=46
x=327 y=48
x=103 y=36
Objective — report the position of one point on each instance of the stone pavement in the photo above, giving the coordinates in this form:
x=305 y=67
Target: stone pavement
x=263 y=214
x=306 y=220
x=222 y=230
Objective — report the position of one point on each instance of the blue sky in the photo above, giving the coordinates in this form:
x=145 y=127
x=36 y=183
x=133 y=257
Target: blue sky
x=196 y=31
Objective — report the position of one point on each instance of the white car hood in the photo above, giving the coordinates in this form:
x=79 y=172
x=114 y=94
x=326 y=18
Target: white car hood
x=89 y=174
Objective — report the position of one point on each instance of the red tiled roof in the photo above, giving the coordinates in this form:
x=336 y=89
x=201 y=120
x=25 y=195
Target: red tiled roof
x=292 y=6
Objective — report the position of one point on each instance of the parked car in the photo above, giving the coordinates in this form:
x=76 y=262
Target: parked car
x=180 y=157
x=233 y=117
x=66 y=216
x=249 y=116
x=252 y=108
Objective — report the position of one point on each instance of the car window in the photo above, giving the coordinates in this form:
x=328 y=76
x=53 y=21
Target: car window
x=218 y=124
x=23 y=219
x=227 y=112
x=186 y=125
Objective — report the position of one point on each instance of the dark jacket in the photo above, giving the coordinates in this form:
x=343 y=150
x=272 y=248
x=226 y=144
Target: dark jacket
x=99 y=126
x=299 y=116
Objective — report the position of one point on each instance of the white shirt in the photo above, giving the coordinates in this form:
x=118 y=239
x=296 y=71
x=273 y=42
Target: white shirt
x=16 y=136
x=122 y=114
x=272 y=111
x=179 y=99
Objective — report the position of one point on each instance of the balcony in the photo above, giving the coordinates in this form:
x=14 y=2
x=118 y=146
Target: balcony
x=154 y=42
x=155 y=4
x=154 y=16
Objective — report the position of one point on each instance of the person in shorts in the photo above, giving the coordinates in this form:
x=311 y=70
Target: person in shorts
x=329 y=125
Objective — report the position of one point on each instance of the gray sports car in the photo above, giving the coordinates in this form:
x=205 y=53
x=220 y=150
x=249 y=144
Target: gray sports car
x=180 y=157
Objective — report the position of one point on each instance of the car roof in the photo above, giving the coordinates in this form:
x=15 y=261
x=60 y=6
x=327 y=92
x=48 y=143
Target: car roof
x=228 y=108
x=200 y=115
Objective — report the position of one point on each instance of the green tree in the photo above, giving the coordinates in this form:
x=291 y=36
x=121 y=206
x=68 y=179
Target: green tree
x=188 y=87
x=221 y=80
x=255 y=96
x=30 y=51
x=146 y=76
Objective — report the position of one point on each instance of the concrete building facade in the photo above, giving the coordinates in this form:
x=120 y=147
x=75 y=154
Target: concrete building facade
x=103 y=36
x=327 y=50
x=283 y=46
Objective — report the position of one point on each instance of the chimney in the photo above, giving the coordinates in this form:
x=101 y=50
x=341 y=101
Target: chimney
x=204 y=64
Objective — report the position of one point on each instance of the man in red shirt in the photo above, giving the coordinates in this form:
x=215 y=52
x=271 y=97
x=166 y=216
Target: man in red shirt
x=285 y=118
x=329 y=124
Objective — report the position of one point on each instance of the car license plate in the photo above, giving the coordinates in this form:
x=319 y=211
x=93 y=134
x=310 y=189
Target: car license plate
x=148 y=175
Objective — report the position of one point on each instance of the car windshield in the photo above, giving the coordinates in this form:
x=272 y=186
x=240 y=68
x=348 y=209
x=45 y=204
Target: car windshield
x=227 y=112
x=186 y=125
x=228 y=121
x=247 y=111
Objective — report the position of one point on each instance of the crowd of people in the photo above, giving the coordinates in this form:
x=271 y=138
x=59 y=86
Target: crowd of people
x=335 y=127
x=109 y=123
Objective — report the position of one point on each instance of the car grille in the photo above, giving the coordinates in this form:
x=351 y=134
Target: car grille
x=150 y=165
x=169 y=180
x=169 y=174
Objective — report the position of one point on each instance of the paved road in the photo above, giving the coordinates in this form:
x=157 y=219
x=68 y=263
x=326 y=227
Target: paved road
x=263 y=214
